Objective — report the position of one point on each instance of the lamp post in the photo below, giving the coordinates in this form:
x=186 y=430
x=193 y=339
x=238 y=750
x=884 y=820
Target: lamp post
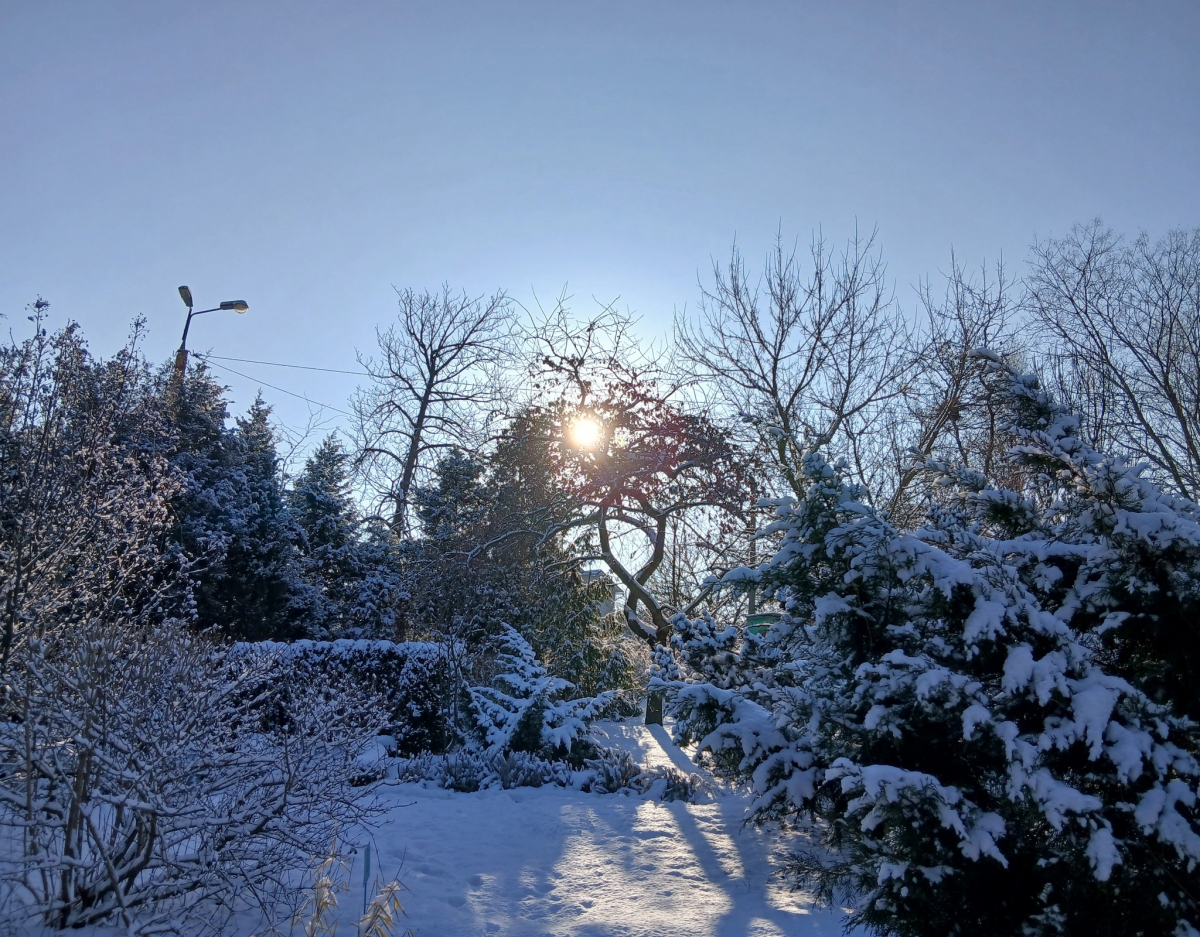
x=237 y=305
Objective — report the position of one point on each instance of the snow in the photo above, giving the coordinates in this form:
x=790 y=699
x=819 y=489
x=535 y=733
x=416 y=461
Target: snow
x=558 y=862
x=1102 y=853
x=553 y=861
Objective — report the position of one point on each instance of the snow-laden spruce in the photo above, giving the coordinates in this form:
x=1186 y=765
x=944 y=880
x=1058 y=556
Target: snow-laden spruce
x=523 y=709
x=985 y=721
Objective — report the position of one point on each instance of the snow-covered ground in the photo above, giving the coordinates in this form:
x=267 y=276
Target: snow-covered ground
x=536 y=862
x=550 y=861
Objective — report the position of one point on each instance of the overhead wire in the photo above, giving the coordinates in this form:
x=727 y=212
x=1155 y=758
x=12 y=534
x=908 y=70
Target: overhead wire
x=308 y=400
x=298 y=367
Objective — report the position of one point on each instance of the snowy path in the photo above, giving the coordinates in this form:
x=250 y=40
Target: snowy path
x=549 y=861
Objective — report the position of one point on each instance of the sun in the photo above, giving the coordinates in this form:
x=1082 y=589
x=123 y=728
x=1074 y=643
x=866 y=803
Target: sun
x=585 y=432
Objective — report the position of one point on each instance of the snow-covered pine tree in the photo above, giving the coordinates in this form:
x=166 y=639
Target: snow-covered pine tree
x=966 y=761
x=523 y=709
x=1133 y=561
x=321 y=502
x=233 y=521
x=354 y=577
x=264 y=590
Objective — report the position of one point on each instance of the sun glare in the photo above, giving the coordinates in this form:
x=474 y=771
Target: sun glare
x=585 y=432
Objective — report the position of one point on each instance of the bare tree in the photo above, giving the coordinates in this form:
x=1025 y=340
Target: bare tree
x=809 y=361
x=949 y=412
x=435 y=384
x=1124 y=322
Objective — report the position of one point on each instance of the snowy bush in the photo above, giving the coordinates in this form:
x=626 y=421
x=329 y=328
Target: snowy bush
x=412 y=679
x=465 y=771
x=520 y=769
x=137 y=780
x=522 y=709
x=424 y=766
x=470 y=771
x=612 y=771
x=690 y=788
x=979 y=718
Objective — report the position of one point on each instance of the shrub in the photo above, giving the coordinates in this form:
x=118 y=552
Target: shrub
x=137 y=782
x=412 y=679
x=612 y=771
x=465 y=772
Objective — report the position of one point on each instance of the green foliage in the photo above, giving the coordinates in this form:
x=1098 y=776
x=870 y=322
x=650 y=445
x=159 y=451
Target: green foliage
x=352 y=567
x=496 y=551
x=936 y=705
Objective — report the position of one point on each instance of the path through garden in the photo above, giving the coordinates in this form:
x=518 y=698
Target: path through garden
x=535 y=862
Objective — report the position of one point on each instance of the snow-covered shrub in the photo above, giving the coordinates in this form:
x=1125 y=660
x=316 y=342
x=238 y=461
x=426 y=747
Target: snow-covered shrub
x=424 y=766
x=689 y=788
x=374 y=760
x=521 y=769
x=522 y=710
x=466 y=771
x=612 y=770
x=941 y=704
x=412 y=679
x=137 y=780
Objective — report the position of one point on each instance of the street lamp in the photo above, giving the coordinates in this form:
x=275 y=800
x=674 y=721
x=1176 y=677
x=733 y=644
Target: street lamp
x=237 y=305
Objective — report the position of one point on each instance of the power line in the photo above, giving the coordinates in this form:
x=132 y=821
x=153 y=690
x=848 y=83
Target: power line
x=298 y=367
x=307 y=400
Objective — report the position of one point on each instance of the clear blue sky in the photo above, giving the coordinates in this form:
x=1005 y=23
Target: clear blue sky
x=309 y=156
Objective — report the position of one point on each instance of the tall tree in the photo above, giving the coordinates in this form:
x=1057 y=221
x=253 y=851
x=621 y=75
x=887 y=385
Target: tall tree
x=434 y=387
x=1123 y=320
x=352 y=569
x=233 y=520
x=803 y=360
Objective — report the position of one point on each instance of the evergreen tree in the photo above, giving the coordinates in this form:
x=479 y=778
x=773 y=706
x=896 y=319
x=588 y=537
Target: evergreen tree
x=971 y=764
x=354 y=577
x=494 y=554
x=233 y=521
x=265 y=590
x=524 y=710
